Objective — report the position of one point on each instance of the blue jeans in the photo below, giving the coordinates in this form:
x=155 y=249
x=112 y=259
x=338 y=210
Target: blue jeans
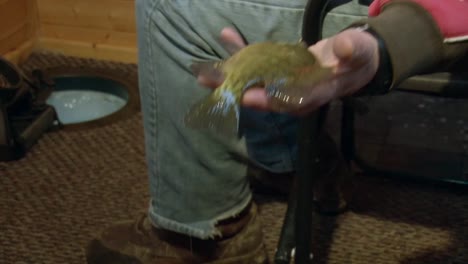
x=196 y=177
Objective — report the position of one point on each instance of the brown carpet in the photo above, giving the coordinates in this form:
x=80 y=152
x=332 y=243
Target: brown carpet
x=72 y=183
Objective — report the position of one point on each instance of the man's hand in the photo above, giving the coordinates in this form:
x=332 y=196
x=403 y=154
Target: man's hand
x=352 y=54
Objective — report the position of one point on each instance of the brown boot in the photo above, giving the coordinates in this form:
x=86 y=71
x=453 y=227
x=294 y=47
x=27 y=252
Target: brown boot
x=141 y=243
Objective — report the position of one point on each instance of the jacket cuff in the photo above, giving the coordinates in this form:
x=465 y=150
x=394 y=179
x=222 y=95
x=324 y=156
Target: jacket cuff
x=411 y=37
x=383 y=78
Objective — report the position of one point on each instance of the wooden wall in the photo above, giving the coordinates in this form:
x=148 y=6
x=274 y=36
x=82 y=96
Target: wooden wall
x=103 y=29
x=18 y=28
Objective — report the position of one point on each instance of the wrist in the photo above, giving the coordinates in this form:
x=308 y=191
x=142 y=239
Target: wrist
x=382 y=79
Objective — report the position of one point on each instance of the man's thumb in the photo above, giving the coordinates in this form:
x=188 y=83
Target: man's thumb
x=354 y=48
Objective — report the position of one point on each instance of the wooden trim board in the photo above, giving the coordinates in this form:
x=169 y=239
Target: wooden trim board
x=89 y=50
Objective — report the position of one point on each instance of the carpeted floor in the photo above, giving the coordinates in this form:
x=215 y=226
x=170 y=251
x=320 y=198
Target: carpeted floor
x=73 y=183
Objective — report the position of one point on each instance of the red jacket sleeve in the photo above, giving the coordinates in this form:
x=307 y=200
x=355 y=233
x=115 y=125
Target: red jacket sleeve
x=420 y=36
x=451 y=16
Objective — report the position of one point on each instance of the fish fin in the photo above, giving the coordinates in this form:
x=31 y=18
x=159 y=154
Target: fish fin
x=287 y=96
x=218 y=112
x=210 y=71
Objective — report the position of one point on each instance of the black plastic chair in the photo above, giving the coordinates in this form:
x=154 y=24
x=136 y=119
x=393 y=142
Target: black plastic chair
x=438 y=85
x=441 y=84
x=295 y=239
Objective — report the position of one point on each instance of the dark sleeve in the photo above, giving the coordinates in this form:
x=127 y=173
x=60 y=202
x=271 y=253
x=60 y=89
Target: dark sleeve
x=411 y=43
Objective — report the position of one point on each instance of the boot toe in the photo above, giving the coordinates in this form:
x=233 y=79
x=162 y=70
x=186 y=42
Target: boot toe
x=97 y=252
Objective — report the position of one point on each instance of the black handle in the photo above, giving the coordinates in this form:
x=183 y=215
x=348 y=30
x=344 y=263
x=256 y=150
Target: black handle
x=365 y=2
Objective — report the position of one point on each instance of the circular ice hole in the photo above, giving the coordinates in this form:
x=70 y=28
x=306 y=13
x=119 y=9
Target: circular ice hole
x=79 y=99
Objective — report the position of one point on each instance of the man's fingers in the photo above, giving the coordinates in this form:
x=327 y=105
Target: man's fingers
x=354 y=48
x=256 y=98
x=232 y=40
x=343 y=48
x=208 y=82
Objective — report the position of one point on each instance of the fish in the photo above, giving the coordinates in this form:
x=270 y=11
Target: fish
x=287 y=71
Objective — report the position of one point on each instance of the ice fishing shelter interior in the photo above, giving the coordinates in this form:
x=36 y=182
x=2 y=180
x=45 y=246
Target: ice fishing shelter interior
x=105 y=30
x=418 y=132
x=84 y=94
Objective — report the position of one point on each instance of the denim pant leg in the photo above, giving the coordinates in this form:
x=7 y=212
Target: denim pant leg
x=196 y=178
x=342 y=16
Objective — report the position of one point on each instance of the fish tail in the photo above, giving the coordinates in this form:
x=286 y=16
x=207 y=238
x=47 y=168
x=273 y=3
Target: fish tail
x=219 y=112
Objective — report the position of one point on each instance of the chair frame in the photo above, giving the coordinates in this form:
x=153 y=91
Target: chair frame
x=295 y=238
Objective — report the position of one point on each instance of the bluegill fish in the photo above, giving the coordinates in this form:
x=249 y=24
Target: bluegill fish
x=287 y=71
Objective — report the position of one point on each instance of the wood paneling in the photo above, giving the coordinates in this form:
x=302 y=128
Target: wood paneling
x=90 y=35
x=18 y=28
x=115 y=15
x=89 y=50
x=103 y=29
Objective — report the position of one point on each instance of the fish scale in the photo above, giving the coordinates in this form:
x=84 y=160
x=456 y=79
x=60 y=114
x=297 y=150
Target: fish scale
x=287 y=71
